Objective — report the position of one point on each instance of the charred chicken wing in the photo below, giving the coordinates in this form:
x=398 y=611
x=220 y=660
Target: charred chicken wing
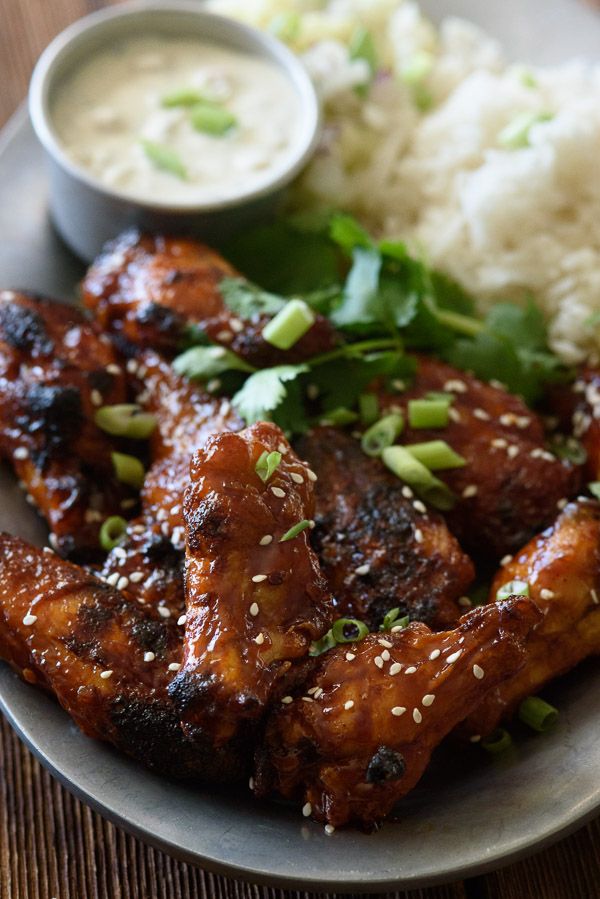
x=362 y=733
x=379 y=549
x=148 y=289
x=255 y=596
x=562 y=569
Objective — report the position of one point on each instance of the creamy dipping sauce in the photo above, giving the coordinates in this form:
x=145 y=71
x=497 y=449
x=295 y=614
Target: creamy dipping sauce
x=178 y=120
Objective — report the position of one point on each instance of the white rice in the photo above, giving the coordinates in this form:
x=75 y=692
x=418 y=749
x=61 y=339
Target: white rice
x=506 y=223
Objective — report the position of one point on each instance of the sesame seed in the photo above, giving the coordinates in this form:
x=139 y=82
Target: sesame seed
x=453 y=414
x=455 y=386
x=385 y=655
x=113 y=579
x=278 y=492
x=174 y=666
x=546 y=594
x=506 y=560
x=470 y=491
x=119 y=552
x=435 y=655
x=182 y=620
x=512 y=452
x=481 y=414
x=307 y=699
x=410 y=670
x=329 y=829
x=264 y=541
x=418 y=506
x=478 y=672
x=296 y=478
x=307 y=810
x=312 y=691
x=132 y=367
x=594 y=596
x=96 y=398
x=499 y=443
x=363 y=569
x=311 y=475
x=29 y=620
x=428 y=700
x=254 y=610
x=149 y=657
x=259 y=578
x=283 y=448
x=318 y=692
x=251 y=783
x=236 y=325
x=349 y=705
x=386 y=643
x=476 y=738
x=122 y=583
x=397 y=628
x=259 y=639
x=21 y=453
x=562 y=504
x=378 y=661
x=136 y=576
x=465 y=602
x=407 y=493
x=451 y=659
x=396 y=668
x=417 y=716
x=105 y=675
x=224 y=336
x=92 y=515
x=398 y=710
x=113 y=369
x=286 y=700
x=418 y=535
x=350 y=656
x=164 y=612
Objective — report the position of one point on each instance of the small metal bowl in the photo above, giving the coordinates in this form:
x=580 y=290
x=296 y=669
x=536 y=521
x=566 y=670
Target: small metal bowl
x=87 y=213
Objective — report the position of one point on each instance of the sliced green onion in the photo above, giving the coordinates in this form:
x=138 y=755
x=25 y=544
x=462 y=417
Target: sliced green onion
x=165 y=158
x=289 y=325
x=267 y=464
x=414 y=473
x=295 y=530
x=286 y=26
x=186 y=96
x=201 y=363
x=594 y=488
x=418 y=67
x=382 y=434
x=349 y=630
x=512 y=588
x=126 y=421
x=337 y=418
x=516 y=134
x=392 y=620
x=440 y=396
x=320 y=646
x=436 y=454
x=128 y=470
x=428 y=413
x=212 y=118
x=538 y=714
x=368 y=406
x=528 y=79
x=362 y=46
x=112 y=532
x=498 y=741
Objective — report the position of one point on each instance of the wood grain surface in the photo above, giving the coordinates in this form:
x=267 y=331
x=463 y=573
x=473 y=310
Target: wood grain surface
x=52 y=846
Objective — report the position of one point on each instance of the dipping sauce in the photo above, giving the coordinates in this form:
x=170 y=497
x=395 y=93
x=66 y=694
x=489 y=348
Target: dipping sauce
x=178 y=120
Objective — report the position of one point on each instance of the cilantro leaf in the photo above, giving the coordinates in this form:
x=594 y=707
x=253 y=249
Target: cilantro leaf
x=267 y=464
x=200 y=363
x=361 y=305
x=247 y=300
x=341 y=382
x=523 y=326
x=265 y=391
x=348 y=234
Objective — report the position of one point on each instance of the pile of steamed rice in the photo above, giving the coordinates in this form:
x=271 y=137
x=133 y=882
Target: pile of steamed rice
x=423 y=154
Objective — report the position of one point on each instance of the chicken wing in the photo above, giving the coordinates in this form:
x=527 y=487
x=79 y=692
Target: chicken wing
x=107 y=660
x=377 y=550
x=562 y=569
x=54 y=373
x=148 y=289
x=362 y=732
x=255 y=596
x=511 y=486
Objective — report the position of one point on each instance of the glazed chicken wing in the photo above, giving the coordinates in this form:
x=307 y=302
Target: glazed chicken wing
x=511 y=486
x=148 y=289
x=562 y=569
x=255 y=601
x=107 y=660
x=379 y=548
x=362 y=733
x=54 y=374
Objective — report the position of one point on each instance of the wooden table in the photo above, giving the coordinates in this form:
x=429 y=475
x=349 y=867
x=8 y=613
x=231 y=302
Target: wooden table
x=52 y=846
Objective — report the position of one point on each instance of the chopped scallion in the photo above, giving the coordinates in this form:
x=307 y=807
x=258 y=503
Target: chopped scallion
x=436 y=454
x=320 y=646
x=349 y=630
x=186 y=96
x=267 y=465
x=165 y=158
x=112 y=532
x=128 y=470
x=428 y=413
x=515 y=136
x=498 y=741
x=392 y=620
x=126 y=421
x=286 y=26
x=594 y=488
x=212 y=118
x=537 y=714
x=382 y=434
x=368 y=406
x=512 y=588
x=296 y=530
x=417 y=476
x=289 y=325
x=338 y=418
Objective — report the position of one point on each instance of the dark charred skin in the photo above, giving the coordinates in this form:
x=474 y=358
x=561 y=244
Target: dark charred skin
x=245 y=638
x=340 y=747
x=517 y=483
x=148 y=289
x=80 y=628
x=54 y=373
x=364 y=518
x=562 y=568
